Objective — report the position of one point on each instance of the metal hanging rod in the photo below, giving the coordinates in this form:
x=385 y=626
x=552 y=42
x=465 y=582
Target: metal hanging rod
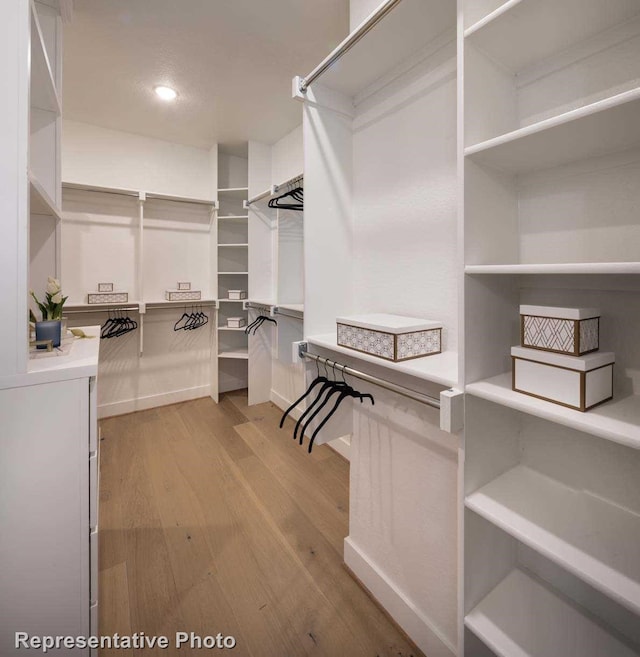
x=296 y=180
x=381 y=383
x=284 y=313
x=347 y=44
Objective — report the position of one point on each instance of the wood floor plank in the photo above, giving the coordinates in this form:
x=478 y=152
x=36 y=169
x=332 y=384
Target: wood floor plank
x=212 y=520
x=114 y=607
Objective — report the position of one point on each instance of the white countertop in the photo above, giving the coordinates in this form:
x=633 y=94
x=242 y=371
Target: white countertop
x=80 y=361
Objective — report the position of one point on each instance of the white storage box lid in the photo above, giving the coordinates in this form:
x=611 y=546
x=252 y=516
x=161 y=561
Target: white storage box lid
x=560 y=313
x=584 y=363
x=395 y=324
x=235 y=319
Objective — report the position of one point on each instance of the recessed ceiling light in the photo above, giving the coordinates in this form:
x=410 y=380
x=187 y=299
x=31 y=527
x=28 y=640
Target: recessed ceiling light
x=166 y=93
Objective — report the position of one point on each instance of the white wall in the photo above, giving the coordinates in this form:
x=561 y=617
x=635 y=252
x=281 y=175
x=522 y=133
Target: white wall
x=287 y=157
x=359 y=10
x=404 y=145
x=97 y=156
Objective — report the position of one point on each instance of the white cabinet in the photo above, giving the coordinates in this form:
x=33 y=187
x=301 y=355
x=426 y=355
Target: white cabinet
x=49 y=487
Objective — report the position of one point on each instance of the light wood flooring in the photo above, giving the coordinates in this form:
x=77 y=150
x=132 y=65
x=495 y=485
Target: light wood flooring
x=213 y=520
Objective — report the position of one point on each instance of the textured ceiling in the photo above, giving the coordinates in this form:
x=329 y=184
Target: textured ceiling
x=231 y=62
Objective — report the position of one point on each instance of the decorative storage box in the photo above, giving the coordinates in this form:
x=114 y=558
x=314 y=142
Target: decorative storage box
x=105 y=287
x=182 y=295
x=579 y=382
x=184 y=286
x=572 y=331
x=107 y=297
x=391 y=337
x=236 y=322
x=237 y=294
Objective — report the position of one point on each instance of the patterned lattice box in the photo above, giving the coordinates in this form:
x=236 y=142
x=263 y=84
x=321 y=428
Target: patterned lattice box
x=391 y=337
x=107 y=297
x=571 y=331
x=183 y=295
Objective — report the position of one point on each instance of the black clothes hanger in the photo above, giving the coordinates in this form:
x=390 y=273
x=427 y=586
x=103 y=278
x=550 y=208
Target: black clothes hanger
x=327 y=389
x=184 y=318
x=296 y=194
x=343 y=395
x=117 y=325
x=257 y=323
x=316 y=382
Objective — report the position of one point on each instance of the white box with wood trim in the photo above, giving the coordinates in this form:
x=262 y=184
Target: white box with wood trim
x=571 y=331
x=392 y=337
x=578 y=382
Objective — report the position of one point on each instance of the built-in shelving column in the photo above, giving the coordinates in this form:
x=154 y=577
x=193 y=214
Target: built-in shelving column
x=233 y=271
x=551 y=189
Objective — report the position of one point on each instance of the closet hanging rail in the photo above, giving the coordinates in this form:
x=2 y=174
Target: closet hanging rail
x=347 y=44
x=140 y=194
x=381 y=383
x=284 y=313
x=275 y=189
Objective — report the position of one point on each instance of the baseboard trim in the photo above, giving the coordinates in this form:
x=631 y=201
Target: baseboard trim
x=403 y=611
x=283 y=404
x=340 y=445
x=152 y=401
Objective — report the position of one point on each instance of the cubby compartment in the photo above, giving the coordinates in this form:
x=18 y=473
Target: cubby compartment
x=233 y=258
x=100 y=237
x=493 y=303
x=178 y=246
x=581 y=213
x=290 y=265
x=552 y=521
x=528 y=62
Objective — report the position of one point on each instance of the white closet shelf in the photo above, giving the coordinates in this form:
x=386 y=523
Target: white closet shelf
x=522 y=32
x=603 y=127
x=590 y=537
x=296 y=307
x=43 y=92
x=233 y=246
x=557 y=268
x=39 y=200
x=169 y=304
x=502 y=620
x=405 y=31
x=233 y=273
x=237 y=354
x=441 y=369
x=79 y=305
x=230 y=328
x=617 y=420
x=122 y=191
x=238 y=193
x=231 y=300
x=234 y=216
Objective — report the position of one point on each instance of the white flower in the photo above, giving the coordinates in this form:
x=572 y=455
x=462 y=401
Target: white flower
x=57 y=297
x=53 y=286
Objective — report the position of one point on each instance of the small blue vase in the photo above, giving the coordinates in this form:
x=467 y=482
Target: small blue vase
x=49 y=330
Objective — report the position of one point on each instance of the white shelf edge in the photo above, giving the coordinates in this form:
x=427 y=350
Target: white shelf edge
x=234 y=355
x=41 y=52
x=492 y=621
x=231 y=190
x=506 y=501
x=233 y=245
x=231 y=328
x=233 y=273
x=490 y=17
x=557 y=268
x=158 y=196
x=554 y=122
x=234 y=216
x=440 y=369
x=231 y=300
x=49 y=205
x=600 y=421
